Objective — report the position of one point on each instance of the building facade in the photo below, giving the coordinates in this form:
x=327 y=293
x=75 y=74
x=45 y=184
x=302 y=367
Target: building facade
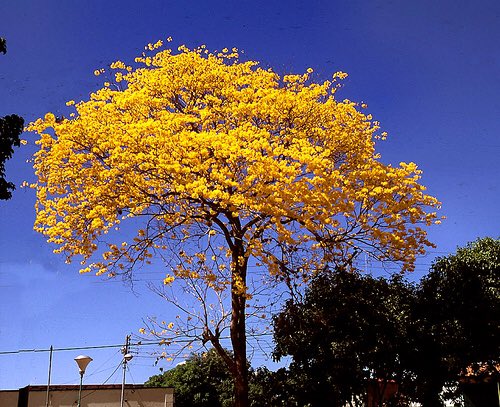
x=92 y=396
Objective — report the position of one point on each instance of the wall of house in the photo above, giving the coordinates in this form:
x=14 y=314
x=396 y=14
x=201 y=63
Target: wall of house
x=8 y=398
x=147 y=397
x=93 y=397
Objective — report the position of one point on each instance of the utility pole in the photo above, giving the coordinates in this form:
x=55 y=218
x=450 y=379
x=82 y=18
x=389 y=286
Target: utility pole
x=47 y=397
x=126 y=358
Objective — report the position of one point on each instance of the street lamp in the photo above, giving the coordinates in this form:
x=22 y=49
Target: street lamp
x=82 y=361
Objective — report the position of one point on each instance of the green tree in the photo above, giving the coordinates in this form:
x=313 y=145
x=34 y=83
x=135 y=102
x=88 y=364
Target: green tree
x=457 y=318
x=11 y=127
x=351 y=328
x=204 y=380
x=348 y=329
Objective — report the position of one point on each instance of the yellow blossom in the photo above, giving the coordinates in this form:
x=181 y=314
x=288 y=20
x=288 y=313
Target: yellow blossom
x=168 y=280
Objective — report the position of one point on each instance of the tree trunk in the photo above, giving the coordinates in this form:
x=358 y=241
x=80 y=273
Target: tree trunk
x=430 y=396
x=238 y=365
x=238 y=330
x=238 y=340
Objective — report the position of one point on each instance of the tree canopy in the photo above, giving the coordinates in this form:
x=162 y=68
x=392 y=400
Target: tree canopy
x=203 y=380
x=350 y=329
x=456 y=318
x=11 y=127
x=3 y=45
x=226 y=163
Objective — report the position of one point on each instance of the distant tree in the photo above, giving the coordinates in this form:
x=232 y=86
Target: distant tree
x=349 y=329
x=204 y=380
x=457 y=318
x=11 y=127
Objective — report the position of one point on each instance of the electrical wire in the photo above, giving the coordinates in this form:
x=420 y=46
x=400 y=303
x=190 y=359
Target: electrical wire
x=145 y=342
x=105 y=381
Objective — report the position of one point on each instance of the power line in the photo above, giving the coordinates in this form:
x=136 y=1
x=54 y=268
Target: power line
x=58 y=349
x=73 y=348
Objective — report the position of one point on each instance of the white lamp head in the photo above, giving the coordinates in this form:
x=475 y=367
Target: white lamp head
x=83 y=362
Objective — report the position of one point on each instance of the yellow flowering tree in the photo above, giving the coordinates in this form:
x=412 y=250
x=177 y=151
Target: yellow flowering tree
x=223 y=163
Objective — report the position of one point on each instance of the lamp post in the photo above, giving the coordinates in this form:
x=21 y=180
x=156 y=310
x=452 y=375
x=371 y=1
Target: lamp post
x=82 y=361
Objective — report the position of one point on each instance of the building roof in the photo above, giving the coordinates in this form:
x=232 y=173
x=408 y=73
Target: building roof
x=66 y=387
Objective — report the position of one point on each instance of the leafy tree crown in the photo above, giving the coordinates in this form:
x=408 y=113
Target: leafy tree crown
x=194 y=138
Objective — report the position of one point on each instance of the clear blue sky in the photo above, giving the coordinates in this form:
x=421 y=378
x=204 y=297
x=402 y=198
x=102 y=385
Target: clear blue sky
x=429 y=71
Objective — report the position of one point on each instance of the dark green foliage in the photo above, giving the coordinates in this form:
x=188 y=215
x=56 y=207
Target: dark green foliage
x=274 y=389
x=351 y=328
x=348 y=329
x=457 y=317
x=461 y=298
x=11 y=128
x=202 y=381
